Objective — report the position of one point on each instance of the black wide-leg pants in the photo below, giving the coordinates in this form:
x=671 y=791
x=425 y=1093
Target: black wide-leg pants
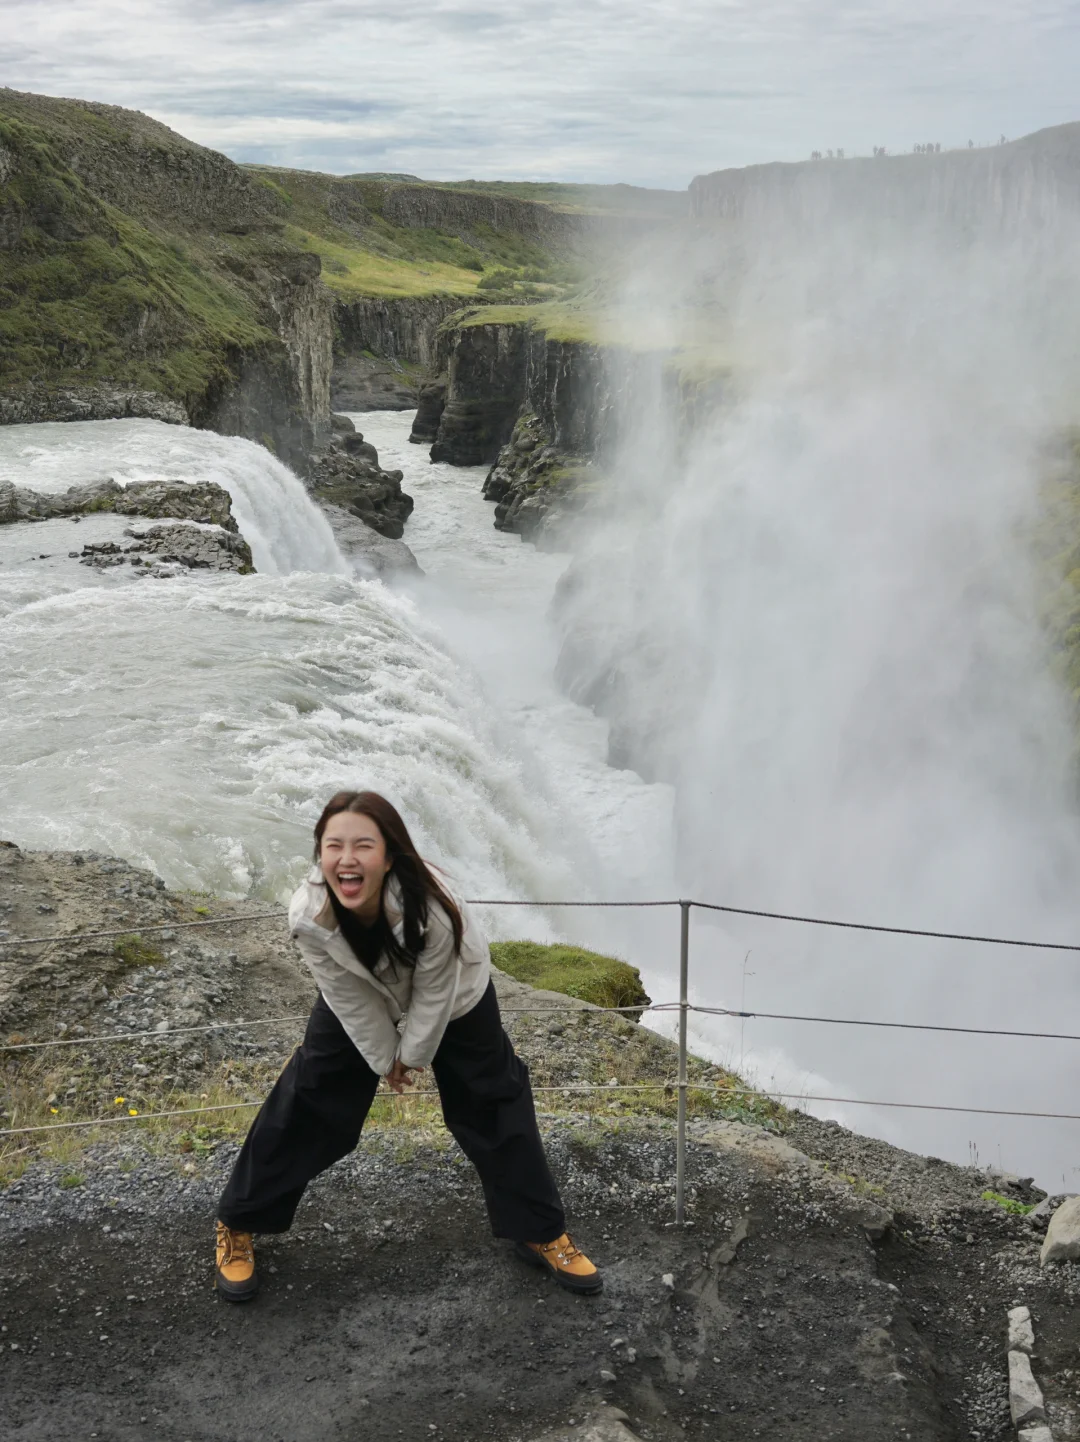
x=318 y=1106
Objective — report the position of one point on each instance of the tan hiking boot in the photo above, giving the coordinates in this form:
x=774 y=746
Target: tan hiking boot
x=570 y=1267
x=236 y=1276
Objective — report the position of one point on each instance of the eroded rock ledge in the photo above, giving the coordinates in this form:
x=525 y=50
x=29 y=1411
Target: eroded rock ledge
x=536 y=486
x=168 y=499
x=347 y=475
x=89 y=403
x=169 y=549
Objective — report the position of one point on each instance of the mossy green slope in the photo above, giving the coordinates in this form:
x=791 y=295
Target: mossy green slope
x=587 y=975
x=130 y=255
x=89 y=292
x=348 y=222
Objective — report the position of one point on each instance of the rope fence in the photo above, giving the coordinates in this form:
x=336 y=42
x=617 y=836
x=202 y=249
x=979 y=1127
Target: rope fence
x=572 y=1088
x=683 y=1007
x=136 y=928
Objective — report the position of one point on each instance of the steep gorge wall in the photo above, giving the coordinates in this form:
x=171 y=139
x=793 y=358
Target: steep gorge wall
x=402 y=328
x=1010 y=188
x=467 y=213
x=496 y=371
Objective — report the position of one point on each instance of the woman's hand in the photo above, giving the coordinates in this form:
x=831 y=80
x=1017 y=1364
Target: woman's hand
x=398 y=1078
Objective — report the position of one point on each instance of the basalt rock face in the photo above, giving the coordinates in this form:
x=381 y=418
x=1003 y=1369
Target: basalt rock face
x=499 y=371
x=485 y=393
x=403 y=329
x=280 y=394
x=430 y=404
x=536 y=487
x=384 y=346
x=347 y=475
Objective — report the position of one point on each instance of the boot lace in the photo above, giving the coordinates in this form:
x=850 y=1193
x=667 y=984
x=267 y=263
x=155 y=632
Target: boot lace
x=564 y=1249
x=238 y=1246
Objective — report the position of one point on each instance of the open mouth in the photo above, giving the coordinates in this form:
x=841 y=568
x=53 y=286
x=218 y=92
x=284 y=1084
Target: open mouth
x=350 y=884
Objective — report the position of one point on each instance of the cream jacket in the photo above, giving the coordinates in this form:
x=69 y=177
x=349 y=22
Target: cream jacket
x=391 y=1011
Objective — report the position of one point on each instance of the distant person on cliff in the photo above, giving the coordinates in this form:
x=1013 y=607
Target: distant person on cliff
x=385 y=940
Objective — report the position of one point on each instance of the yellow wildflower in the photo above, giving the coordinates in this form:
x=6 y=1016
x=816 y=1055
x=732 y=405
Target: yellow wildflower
x=118 y=1101
x=133 y=1111
x=55 y=1111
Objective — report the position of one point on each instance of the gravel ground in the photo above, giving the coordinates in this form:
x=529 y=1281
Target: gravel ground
x=391 y=1309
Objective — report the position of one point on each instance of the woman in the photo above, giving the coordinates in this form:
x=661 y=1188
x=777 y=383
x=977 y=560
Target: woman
x=404 y=979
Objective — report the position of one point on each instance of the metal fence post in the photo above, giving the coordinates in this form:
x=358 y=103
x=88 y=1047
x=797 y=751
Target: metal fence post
x=680 y=1142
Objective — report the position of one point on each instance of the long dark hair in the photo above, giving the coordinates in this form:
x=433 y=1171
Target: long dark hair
x=418 y=886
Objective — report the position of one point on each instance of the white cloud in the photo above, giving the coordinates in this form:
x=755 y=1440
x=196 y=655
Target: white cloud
x=579 y=89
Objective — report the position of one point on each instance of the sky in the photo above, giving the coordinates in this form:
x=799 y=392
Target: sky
x=650 y=93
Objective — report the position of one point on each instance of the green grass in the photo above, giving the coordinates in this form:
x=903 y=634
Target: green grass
x=1009 y=1204
x=124 y=284
x=352 y=271
x=587 y=975
x=133 y=951
x=625 y=200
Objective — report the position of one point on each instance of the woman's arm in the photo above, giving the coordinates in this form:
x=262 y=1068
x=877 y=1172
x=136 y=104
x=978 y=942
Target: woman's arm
x=360 y=1010
x=433 y=990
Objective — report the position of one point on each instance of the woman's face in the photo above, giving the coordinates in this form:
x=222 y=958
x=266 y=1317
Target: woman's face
x=353 y=858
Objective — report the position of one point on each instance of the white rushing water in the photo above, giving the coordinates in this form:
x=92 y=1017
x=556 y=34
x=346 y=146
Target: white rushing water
x=197 y=724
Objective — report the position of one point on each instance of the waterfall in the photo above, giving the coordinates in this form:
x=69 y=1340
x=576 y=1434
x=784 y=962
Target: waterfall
x=197 y=724
x=285 y=530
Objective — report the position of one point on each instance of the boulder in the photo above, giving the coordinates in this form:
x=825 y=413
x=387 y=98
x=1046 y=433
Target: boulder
x=534 y=485
x=341 y=425
x=1025 y=1394
x=1021 y=1332
x=1062 y=1241
x=371 y=554
x=168 y=550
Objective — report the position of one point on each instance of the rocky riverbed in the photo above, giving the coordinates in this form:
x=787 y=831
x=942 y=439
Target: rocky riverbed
x=826 y=1285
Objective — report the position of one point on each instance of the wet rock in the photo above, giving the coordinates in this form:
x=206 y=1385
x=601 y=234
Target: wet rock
x=88 y=403
x=535 y=486
x=429 y=408
x=348 y=476
x=341 y=425
x=1062 y=1241
x=371 y=553
x=203 y=501
x=168 y=550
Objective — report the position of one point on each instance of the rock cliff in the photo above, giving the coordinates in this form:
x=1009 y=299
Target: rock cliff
x=1017 y=186
x=544 y=409
x=137 y=263
x=497 y=370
